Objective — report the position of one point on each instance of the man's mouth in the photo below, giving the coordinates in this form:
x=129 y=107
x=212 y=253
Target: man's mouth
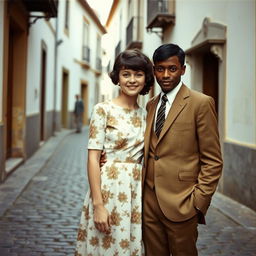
x=166 y=82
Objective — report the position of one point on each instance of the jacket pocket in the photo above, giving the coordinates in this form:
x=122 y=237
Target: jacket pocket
x=181 y=126
x=187 y=176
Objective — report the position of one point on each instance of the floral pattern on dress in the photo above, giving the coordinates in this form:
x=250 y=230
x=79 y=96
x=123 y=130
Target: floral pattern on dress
x=120 y=133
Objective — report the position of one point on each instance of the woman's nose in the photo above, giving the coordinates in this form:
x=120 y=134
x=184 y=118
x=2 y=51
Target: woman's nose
x=132 y=79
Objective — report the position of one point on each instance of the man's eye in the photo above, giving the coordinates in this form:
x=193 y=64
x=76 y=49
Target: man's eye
x=159 y=69
x=173 y=69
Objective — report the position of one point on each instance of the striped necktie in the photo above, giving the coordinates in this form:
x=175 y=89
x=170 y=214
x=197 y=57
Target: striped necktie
x=161 y=116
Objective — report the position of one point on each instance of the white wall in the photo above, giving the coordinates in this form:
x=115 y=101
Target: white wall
x=110 y=41
x=1 y=59
x=38 y=33
x=71 y=50
x=239 y=17
x=241 y=68
x=152 y=40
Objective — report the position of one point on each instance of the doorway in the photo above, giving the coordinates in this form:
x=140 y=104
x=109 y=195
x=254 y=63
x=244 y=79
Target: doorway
x=64 y=101
x=9 y=109
x=15 y=91
x=84 y=96
x=42 y=95
x=211 y=77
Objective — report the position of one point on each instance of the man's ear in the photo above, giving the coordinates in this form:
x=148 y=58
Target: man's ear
x=183 y=70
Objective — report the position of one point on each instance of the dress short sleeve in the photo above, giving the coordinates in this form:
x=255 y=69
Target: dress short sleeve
x=97 y=127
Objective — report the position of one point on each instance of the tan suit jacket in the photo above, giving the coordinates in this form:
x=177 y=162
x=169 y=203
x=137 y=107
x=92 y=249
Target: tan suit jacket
x=188 y=160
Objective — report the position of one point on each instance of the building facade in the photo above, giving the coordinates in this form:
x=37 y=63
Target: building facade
x=219 y=40
x=49 y=51
x=79 y=55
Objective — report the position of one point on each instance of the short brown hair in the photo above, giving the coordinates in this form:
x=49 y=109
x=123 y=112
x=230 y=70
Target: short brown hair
x=135 y=60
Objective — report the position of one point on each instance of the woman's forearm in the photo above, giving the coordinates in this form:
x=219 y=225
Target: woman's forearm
x=93 y=168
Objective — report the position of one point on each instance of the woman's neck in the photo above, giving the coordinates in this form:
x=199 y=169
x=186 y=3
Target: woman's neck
x=129 y=102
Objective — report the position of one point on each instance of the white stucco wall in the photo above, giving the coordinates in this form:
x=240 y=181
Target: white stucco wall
x=116 y=32
x=70 y=51
x=150 y=40
x=38 y=33
x=239 y=17
x=241 y=68
x=1 y=59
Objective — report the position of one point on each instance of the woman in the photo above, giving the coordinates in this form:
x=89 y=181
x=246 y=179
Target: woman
x=111 y=216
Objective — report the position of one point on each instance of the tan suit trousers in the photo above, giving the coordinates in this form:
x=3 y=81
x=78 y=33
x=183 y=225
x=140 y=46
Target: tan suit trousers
x=164 y=237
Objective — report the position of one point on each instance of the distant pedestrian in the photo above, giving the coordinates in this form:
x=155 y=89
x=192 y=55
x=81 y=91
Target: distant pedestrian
x=78 y=112
x=111 y=217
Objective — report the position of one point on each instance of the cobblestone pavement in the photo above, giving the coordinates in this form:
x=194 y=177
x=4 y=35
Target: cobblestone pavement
x=44 y=218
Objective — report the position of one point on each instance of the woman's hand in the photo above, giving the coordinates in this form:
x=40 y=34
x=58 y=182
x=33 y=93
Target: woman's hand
x=103 y=158
x=102 y=219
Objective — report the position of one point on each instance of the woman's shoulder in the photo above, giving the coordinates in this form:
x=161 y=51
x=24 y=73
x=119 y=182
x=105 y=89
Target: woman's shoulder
x=103 y=104
x=101 y=108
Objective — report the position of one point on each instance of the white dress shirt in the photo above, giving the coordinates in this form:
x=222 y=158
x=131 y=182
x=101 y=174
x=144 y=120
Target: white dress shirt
x=170 y=96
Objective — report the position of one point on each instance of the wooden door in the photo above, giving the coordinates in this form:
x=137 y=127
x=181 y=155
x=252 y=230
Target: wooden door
x=211 y=77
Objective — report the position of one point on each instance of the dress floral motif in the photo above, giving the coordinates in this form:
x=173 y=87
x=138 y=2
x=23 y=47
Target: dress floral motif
x=120 y=132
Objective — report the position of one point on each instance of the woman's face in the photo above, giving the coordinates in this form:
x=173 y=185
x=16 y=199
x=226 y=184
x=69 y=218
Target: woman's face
x=131 y=81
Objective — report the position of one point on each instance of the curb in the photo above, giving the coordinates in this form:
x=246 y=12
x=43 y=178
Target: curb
x=19 y=179
x=239 y=213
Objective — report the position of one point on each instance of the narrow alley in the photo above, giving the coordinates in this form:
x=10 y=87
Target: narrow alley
x=43 y=220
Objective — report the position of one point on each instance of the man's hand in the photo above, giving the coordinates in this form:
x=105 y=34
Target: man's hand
x=102 y=219
x=103 y=158
x=200 y=215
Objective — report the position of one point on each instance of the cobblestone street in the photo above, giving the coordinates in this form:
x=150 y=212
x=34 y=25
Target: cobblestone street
x=44 y=218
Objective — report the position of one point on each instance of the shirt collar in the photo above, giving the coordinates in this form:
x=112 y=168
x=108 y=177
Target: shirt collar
x=172 y=94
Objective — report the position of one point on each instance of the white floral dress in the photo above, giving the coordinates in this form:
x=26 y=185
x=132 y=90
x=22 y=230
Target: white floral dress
x=120 y=133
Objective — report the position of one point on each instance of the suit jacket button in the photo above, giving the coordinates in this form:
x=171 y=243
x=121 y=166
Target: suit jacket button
x=156 y=158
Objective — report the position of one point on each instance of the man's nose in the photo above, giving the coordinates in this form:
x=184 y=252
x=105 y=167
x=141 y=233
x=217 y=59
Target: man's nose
x=166 y=73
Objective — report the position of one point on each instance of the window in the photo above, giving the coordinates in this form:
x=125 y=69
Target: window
x=85 y=48
x=98 y=53
x=67 y=15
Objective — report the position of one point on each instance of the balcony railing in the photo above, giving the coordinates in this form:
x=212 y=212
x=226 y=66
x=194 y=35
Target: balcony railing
x=118 y=49
x=98 y=64
x=160 y=13
x=133 y=33
x=86 y=53
x=49 y=7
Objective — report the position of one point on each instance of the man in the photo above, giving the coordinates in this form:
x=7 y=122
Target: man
x=182 y=159
x=78 y=112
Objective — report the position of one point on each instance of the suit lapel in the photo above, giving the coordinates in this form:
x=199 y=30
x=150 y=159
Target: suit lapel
x=150 y=123
x=178 y=105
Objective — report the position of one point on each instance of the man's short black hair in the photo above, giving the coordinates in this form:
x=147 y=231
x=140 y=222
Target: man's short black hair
x=166 y=51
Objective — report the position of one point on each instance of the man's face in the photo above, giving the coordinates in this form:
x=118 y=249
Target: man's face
x=168 y=73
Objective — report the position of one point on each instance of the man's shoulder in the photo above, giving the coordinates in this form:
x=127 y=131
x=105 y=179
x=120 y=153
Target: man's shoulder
x=197 y=95
x=152 y=101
